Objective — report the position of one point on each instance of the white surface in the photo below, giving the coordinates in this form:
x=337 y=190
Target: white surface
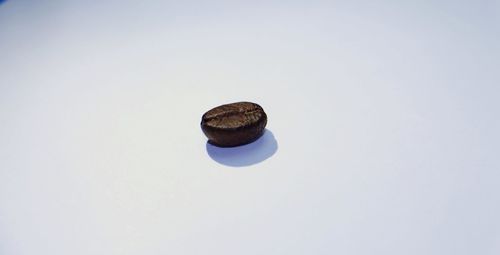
x=386 y=118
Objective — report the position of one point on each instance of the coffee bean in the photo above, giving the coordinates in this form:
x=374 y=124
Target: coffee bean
x=234 y=124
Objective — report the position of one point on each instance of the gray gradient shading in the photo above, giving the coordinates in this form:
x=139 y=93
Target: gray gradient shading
x=386 y=113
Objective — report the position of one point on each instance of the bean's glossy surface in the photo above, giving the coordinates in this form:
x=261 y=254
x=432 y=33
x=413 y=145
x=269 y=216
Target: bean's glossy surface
x=234 y=124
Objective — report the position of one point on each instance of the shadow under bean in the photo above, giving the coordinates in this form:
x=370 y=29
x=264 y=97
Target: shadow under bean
x=245 y=155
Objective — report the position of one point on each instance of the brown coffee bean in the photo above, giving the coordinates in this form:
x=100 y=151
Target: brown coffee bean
x=234 y=124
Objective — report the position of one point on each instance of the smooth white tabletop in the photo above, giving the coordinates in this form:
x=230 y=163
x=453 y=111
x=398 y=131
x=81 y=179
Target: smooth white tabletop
x=383 y=133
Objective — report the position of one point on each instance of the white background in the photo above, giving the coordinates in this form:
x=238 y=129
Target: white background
x=386 y=117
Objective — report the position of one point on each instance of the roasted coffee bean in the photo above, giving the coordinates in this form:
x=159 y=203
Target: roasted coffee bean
x=234 y=124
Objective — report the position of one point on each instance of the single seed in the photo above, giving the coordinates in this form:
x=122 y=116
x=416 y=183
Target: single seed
x=234 y=124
